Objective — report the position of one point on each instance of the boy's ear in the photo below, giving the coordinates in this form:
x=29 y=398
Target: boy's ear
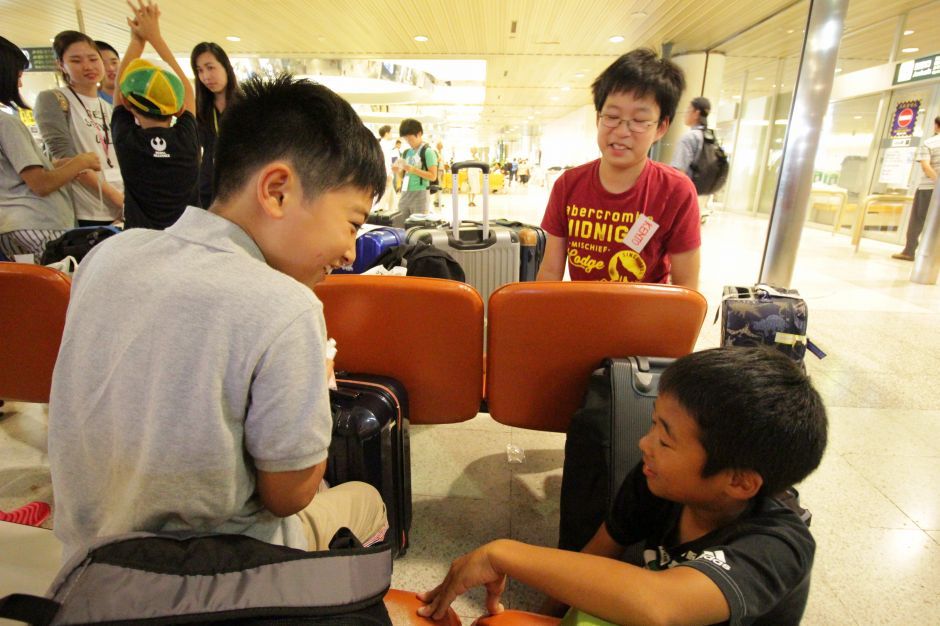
x=662 y=128
x=274 y=184
x=744 y=484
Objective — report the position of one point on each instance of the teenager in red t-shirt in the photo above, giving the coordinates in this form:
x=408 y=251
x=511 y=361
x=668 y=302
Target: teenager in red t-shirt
x=623 y=217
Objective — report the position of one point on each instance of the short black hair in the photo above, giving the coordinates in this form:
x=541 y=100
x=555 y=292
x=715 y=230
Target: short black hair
x=641 y=72
x=936 y=121
x=410 y=127
x=12 y=62
x=384 y=129
x=304 y=123
x=702 y=105
x=104 y=45
x=755 y=408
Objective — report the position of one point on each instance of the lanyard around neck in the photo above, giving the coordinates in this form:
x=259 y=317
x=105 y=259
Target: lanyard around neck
x=105 y=138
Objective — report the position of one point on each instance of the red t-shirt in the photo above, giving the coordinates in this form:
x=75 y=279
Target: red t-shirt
x=595 y=223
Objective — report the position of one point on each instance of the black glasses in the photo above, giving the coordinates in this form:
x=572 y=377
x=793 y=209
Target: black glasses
x=634 y=126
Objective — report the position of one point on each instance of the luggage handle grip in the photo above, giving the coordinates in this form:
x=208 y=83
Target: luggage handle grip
x=455 y=188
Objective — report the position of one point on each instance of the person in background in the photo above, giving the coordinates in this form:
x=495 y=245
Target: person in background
x=624 y=217
x=111 y=60
x=928 y=159
x=216 y=89
x=418 y=171
x=388 y=149
x=73 y=120
x=160 y=160
x=396 y=154
x=696 y=118
x=35 y=206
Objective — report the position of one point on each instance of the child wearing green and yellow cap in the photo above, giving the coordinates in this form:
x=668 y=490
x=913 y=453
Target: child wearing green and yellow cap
x=159 y=158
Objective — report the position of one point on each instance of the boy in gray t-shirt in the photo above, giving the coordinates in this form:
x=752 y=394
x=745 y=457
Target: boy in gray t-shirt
x=190 y=391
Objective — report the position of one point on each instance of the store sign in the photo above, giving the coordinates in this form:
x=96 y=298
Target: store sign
x=917 y=69
x=905 y=118
x=896 y=166
x=40 y=59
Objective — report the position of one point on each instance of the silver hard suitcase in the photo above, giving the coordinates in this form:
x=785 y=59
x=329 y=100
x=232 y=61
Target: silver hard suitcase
x=489 y=255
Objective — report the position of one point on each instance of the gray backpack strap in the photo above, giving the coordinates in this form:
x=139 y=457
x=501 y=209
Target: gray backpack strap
x=180 y=575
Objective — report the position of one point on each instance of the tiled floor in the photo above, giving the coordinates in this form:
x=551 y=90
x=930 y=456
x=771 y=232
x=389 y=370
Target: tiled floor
x=875 y=499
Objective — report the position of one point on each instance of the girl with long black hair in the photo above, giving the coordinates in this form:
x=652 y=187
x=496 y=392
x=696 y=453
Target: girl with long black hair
x=216 y=88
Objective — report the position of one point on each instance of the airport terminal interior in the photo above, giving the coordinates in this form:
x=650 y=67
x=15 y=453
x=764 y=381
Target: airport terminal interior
x=511 y=80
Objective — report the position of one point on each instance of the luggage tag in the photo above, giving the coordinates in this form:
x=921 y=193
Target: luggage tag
x=640 y=233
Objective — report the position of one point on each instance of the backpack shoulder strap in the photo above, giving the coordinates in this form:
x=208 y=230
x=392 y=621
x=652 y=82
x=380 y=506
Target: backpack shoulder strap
x=424 y=159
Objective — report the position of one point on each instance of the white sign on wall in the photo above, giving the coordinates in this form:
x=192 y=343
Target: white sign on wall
x=896 y=167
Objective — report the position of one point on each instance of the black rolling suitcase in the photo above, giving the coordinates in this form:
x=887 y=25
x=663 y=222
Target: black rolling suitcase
x=602 y=443
x=371 y=444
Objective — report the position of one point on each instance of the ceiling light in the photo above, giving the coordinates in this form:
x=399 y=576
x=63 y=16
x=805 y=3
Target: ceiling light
x=838 y=70
x=758 y=78
x=554 y=98
x=616 y=39
x=566 y=88
x=531 y=117
x=790 y=32
x=421 y=38
x=736 y=97
x=857 y=117
x=908 y=32
x=637 y=15
x=578 y=75
x=233 y=38
x=909 y=50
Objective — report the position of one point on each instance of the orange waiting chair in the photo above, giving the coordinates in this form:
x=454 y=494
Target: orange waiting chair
x=545 y=338
x=33 y=302
x=403 y=608
x=425 y=332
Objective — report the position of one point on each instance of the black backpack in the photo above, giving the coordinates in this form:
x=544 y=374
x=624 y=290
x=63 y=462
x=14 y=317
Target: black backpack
x=76 y=243
x=422 y=259
x=435 y=185
x=710 y=167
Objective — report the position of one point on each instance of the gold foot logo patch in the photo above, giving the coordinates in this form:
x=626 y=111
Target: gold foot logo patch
x=624 y=264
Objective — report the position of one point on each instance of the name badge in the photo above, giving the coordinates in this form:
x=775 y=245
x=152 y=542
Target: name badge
x=641 y=233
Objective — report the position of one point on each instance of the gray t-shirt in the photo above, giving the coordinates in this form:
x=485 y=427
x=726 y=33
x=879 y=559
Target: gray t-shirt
x=186 y=363
x=689 y=146
x=929 y=150
x=20 y=208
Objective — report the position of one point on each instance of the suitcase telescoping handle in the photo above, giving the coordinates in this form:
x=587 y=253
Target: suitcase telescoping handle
x=455 y=188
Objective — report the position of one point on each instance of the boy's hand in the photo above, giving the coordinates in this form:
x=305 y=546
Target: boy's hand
x=470 y=570
x=146 y=23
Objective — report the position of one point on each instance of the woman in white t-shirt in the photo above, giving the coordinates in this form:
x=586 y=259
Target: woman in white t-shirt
x=73 y=119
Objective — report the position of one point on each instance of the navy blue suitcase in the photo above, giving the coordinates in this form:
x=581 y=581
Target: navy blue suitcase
x=370 y=245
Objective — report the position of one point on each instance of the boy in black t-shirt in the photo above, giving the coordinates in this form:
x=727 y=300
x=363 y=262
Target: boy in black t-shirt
x=731 y=427
x=159 y=160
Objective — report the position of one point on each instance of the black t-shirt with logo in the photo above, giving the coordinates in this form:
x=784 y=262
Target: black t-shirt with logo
x=761 y=562
x=160 y=167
